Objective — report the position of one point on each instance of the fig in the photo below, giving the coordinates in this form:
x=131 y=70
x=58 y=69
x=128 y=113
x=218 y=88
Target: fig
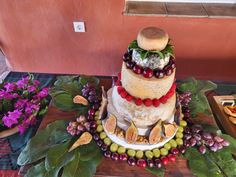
x=110 y=124
x=131 y=134
x=155 y=134
x=169 y=129
x=85 y=138
x=80 y=100
x=103 y=107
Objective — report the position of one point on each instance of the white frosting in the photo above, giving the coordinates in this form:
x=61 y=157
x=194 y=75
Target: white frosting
x=142 y=116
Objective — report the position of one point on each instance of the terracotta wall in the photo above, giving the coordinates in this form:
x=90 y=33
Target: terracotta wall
x=37 y=36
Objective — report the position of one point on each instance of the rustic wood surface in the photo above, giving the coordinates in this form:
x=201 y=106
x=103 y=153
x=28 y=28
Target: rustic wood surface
x=221 y=116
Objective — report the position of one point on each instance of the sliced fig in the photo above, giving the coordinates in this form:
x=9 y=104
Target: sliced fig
x=78 y=99
x=85 y=138
x=131 y=134
x=155 y=134
x=110 y=124
x=169 y=129
x=103 y=107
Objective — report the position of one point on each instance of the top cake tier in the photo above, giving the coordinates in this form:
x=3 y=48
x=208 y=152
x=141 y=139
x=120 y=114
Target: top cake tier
x=148 y=70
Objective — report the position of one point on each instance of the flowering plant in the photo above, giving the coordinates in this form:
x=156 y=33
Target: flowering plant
x=21 y=102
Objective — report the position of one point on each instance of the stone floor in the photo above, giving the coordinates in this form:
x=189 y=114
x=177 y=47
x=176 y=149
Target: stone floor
x=3 y=67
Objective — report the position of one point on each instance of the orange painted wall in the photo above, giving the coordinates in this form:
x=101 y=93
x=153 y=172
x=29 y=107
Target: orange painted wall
x=38 y=36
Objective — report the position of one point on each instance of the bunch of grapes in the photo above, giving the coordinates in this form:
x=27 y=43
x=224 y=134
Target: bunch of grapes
x=89 y=91
x=80 y=125
x=197 y=137
x=184 y=98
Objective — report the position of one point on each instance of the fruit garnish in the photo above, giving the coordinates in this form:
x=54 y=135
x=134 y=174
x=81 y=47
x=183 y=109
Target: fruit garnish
x=169 y=129
x=78 y=99
x=131 y=134
x=103 y=108
x=230 y=110
x=85 y=138
x=155 y=134
x=110 y=124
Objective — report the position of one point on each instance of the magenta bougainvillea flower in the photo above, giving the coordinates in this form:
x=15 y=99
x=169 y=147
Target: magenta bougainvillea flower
x=22 y=101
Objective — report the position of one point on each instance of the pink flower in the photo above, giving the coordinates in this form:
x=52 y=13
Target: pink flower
x=12 y=118
x=22 y=84
x=10 y=87
x=43 y=93
x=31 y=88
x=36 y=83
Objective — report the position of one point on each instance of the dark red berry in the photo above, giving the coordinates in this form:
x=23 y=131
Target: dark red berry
x=120 y=89
x=123 y=94
x=159 y=74
x=115 y=156
x=129 y=98
x=123 y=157
x=137 y=69
x=164 y=160
x=99 y=143
x=175 y=151
x=147 y=102
x=158 y=163
x=138 y=101
x=107 y=154
x=147 y=73
x=169 y=71
x=91 y=112
x=163 y=99
x=155 y=102
x=130 y=64
x=131 y=161
x=126 y=57
x=96 y=136
x=96 y=106
x=172 y=158
x=182 y=149
x=141 y=163
x=104 y=147
x=150 y=163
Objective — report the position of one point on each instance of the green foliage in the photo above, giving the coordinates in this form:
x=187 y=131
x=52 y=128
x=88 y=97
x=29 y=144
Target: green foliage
x=49 y=148
x=45 y=139
x=198 y=88
x=167 y=51
x=211 y=164
x=159 y=172
x=66 y=88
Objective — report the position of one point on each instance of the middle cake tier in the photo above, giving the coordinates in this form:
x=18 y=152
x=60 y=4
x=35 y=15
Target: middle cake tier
x=143 y=117
x=141 y=87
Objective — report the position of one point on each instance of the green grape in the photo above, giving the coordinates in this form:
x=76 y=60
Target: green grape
x=96 y=113
x=96 y=118
x=99 y=128
x=180 y=129
x=149 y=154
x=183 y=123
x=99 y=122
x=179 y=135
x=131 y=152
x=167 y=146
x=113 y=147
x=156 y=153
x=121 y=150
x=179 y=141
x=164 y=151
x=139 y=154
x=103 y=135
x=173 y=143
x=107 y=141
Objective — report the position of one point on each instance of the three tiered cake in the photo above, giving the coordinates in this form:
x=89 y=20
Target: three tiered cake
x=142 y=106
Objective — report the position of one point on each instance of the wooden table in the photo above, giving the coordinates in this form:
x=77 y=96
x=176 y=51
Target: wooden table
x=109 y=168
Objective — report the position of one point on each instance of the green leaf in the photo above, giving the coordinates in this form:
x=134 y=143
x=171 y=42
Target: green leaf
x=82 y=168
x=199 y=102
x=133 y=45
x=40 y=171
x=232 y=146
x=43 y=111
x=159 y=172
x=211 y=164
x=45 y=139
x=88 y=151
x=85 y=79
x=56 y=154
x=63 y=102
